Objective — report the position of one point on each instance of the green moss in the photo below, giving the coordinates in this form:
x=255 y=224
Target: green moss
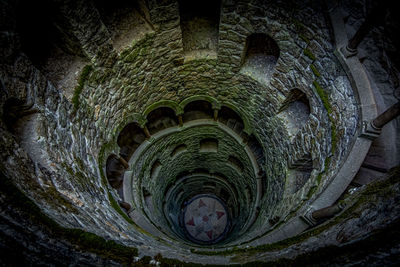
x=314 y=188
x=167 y=262
x=116 y=206
x=140 y=48
x=85 y=241
x=325 y=101
x=304 y=38
x=81 y=82
x=78 y=175
x=299 y=26
x=333 y=134
x=315 y=71
x=309 y=54
x=323 y=96
x=80 y=162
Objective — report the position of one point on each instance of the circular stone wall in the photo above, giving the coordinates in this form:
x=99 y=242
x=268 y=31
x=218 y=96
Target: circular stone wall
x=128 y=118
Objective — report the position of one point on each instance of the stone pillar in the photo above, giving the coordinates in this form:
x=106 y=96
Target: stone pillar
x=370 y=21
x=245 y=140
x=390 y=114
x=180 y=119
x=326 y=212
x=125 y=205
x=373 y=129
x=312 y=216
x=123 y=162
x=215 y=114
x=146 y=132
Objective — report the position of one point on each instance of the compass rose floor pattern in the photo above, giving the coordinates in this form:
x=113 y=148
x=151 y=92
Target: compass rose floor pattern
x=205 y=219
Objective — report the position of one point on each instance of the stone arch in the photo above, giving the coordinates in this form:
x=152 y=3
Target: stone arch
x=161 y=118
x=198 y=109
x=235 y=163
x=178 y=150
x=115 y=170
x=163 y=103
x=155 y=169
x=230 y=115
x=129 y=139
x=214 y=102
x=14 y=111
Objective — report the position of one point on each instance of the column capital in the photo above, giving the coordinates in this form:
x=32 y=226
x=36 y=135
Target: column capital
x=370 y=131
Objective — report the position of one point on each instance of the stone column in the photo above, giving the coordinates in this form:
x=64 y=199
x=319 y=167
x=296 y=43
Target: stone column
x=312 y=216
x=373 y=129
x=123 y=162
x=390 y=114
x=326 y=212
x=370 y=21
x=215 y=114
x=125 y=205
x=146 y=132
x=180 y=119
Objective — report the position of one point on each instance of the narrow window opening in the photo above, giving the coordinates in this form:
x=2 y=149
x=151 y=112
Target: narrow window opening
x=199 y=24
x=299 y=173
x=260 y=57
x=209 y=145
x=257 y=150
x=295 y=111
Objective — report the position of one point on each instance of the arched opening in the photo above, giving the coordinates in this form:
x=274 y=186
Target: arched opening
x=260 y=56
x=196 y=110
x=130 y=139
x=295 y=111
x=115 y=170
x=257 y=150
x=160 y=119
x=16 y=113
x=230 y=118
